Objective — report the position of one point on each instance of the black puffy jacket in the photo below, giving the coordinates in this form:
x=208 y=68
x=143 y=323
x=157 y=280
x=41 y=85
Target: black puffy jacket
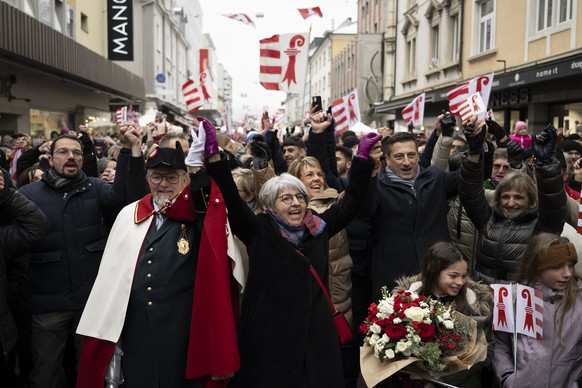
x=24 y=226
x=502 y=239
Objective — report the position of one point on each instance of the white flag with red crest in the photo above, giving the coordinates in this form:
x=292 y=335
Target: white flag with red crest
x=503 y=317
x=193 y=96
x=307 y=12
x=346 y=112
x=203 y=90
x=283 y=60
x=459 y=95
x=529 y=317
x=414 y=112
x=241 y=17
x=474 y=105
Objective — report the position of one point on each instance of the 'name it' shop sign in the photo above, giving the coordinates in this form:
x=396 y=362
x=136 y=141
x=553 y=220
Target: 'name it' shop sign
x=120 y=30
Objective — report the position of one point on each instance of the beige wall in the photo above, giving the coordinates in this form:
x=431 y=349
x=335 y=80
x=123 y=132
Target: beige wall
x=96 y=37
x=339 y=44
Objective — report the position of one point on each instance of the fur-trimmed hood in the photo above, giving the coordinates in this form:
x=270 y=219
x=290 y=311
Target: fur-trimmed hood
x=478 y=294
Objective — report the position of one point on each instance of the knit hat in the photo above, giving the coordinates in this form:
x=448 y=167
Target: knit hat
x=351 y=141
x=571 y=145
x=519 y=124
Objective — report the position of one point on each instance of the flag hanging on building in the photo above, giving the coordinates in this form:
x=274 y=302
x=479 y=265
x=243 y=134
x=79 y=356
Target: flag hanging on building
x=192 y=95
x=473 y=105
x=413 y=113
x=203 y=89
x=529 y=312
x=241 y=17
x=307 y=12
x=503 y=317
x=283 y=60
x=346 y=112
x=459 y=95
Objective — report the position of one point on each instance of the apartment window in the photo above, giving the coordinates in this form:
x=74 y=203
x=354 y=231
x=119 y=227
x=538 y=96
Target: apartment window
x=70 y=19
x=411 y=57
x=44 y=11
x=454 y=40
x=84 y=22
x=434 y=61
x=544 y=14
x=486 y=25
x=564 y=10
x=375 y=28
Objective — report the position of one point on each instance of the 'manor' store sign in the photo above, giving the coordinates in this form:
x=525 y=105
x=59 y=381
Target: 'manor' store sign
x=120 y=30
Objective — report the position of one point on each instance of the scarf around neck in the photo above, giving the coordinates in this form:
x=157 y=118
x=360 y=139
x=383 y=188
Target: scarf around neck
x=396 y=179
x=294 y=233
x=62 y=184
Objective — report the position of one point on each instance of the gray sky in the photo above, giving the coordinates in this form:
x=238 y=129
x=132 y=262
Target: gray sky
x=237 y=45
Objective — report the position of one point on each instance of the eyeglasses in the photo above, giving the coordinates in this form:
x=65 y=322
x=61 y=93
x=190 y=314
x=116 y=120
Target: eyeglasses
x=500 y=166
x=171 y=178
x=288 y=198
x=65 y=152
x=311 y=175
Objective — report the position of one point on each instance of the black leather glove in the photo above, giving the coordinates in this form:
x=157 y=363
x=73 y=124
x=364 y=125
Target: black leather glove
x=496 y=130
x=544 y=145
x=475 y=142
x=261 y=154
x=448 y=123
x=514 y=154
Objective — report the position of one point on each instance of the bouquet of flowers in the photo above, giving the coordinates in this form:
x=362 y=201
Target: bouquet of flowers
x=412 y=328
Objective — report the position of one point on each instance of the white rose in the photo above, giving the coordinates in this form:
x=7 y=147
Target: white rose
x=447 y=315
x=401 y=347
x=396 y=321
x=449 y=324
x=385 y=338
x=386 y=308
x=375 y=329
x=389 y=354
x=373 y=339
x=414 y=313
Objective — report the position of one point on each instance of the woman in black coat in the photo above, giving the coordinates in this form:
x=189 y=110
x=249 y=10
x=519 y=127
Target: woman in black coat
x=287 y=336
x=23 y=225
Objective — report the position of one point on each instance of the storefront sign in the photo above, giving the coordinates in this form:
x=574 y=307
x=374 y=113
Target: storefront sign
x=120 y=30
x=508 y=97
x=540 y=73
x=5 y=85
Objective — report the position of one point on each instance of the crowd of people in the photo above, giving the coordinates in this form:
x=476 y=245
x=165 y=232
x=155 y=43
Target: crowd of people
x=121 y=254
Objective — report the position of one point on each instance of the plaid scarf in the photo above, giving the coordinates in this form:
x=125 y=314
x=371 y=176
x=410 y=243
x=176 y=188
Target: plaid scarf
x=294 y=233
x=62 y=184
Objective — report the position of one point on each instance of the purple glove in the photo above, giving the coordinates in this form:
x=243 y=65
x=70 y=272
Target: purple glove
x=211 y=144
x=366 y=144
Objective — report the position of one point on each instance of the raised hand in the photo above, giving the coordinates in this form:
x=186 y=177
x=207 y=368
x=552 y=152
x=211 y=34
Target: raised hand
x=445 y=124
x=261 y=154
x=320 y=120
x=496 y=130
x=514 y=154
x=544 y=145
x=475 y=132
x=195 y=157
x=211 y=143
x=366 y=145
x=267 y=124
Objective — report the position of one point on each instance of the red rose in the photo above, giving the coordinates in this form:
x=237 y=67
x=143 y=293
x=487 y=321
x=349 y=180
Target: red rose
x=426 y=332
x=395 y=332
x=363 y=328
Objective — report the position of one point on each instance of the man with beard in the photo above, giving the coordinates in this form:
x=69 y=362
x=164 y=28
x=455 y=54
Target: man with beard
x=64 y=265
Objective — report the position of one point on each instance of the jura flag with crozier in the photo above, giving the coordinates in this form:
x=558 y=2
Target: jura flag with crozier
x=413 y=113
x=346 y=112
x=473 y=105
x=193 y=96
x=459 y=95
x=241 y=17
x=307 y=12
x=503 y=317
x=283 y=60
x=529 y=311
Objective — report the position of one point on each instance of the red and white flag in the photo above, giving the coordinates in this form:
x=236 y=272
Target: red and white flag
x=307 y=12
x=121 y=115
x=413 y=113
x=241 y=17
x=472 y=106
x=203 y=89
x=529 y=317
x=579 y=228
x=459 y=95
x=283 y=60
x=346 y=112
x=193 y=96
x=503 y=317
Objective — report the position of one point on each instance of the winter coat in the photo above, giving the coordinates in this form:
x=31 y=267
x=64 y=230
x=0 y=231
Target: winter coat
x=503 y=239
x=407 y=222
x=549 y=362
x=64 y=265
x=480 y=303
x=287 y=337
x=26 y=226
x=340 y=262
x=524 y=141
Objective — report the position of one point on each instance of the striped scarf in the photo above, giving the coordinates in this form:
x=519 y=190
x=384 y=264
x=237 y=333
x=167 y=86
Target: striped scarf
x=294 y=233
